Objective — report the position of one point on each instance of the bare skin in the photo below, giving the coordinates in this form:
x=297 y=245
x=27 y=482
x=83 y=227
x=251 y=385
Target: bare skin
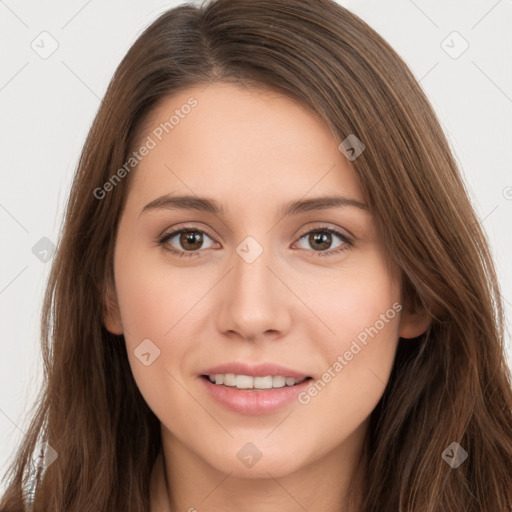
x=253 y=152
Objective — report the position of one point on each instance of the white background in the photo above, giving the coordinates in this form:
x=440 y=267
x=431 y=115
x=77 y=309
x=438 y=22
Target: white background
x=48 y=105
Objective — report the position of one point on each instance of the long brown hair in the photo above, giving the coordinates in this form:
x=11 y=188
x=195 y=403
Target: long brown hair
x=451 y=384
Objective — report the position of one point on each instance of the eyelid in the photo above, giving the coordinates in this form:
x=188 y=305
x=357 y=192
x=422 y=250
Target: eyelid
x=325 y=226
x=185 y=226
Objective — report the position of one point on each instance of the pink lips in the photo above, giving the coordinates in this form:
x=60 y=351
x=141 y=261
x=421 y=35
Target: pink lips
x=254 y=370
x=253 y=402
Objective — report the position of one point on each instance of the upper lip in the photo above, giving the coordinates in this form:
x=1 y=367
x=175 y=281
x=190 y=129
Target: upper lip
x=254 y=370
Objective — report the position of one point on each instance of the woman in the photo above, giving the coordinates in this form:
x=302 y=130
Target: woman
x=271 y=290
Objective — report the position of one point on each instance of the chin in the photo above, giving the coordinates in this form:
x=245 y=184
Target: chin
x=249 y=462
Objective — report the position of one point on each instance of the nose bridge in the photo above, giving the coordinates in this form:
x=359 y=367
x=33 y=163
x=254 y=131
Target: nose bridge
x=251 y=276
x=253 y=302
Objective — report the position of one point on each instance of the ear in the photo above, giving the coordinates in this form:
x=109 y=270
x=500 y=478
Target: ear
x=111 y=312
x=414 y=323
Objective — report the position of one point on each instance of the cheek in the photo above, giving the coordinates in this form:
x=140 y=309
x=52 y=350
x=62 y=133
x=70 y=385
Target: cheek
x=362 y=310
x=356 y=299
x=153 y=299
x=154 y=304
x=153 y=307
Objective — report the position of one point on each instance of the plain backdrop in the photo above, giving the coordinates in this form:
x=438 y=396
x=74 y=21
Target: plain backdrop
x=57 y=59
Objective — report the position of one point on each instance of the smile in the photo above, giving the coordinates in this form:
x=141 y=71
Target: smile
x=253 y=400
x=256 y=383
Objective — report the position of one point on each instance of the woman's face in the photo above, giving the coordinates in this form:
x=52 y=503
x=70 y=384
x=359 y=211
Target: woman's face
x=246 y=291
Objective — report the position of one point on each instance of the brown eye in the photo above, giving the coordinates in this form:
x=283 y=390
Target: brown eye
x=186 y=241
x=320 y=241
x=191 y=240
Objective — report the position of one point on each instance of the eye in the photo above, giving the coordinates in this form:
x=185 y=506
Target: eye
x=322 y=238
x=190 y=240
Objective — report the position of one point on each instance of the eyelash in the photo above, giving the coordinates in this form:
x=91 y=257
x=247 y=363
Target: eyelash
x=347 y=242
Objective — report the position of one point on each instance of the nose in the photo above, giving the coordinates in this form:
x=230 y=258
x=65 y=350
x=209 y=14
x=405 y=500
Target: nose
x=254 y=301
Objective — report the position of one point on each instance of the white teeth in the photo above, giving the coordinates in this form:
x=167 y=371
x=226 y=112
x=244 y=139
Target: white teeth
x=248 y=382
x=263 y=382
x=229 y=379
x=244 y=382
x=278 y=381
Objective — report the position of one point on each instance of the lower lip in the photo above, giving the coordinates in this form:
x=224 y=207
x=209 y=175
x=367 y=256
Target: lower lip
x=254 y=402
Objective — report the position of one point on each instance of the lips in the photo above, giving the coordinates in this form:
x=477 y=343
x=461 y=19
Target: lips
x=254 y=370
x=253 y=401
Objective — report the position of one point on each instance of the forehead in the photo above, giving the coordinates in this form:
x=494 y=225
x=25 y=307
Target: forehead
x=225 y=140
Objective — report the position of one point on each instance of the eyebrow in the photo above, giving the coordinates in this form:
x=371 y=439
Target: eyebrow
x=169 y=202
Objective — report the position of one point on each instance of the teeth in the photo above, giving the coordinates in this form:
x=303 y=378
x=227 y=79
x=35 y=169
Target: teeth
x=248 y=382
x=279 y=382
x=244 y=382
x=263 y=382
x=229 y=379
